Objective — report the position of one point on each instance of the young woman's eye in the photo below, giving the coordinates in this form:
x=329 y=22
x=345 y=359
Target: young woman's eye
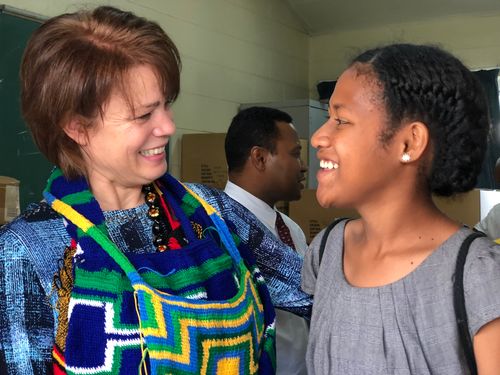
x=340 y=122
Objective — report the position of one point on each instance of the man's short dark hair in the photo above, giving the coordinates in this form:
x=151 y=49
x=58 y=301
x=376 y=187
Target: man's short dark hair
x=254 y=126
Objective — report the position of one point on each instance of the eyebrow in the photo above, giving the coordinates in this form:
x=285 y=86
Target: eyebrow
x=141 y=107
x=150 y=105
x=338 y=106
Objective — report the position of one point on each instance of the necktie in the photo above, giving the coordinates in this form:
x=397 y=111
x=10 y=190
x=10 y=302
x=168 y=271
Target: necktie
x=283 y=231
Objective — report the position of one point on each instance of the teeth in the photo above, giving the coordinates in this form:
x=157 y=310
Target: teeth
x=153 y=151
x=324 y=164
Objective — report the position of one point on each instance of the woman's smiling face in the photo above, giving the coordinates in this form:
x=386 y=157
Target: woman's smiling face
x=355 y=165
x=127 y=147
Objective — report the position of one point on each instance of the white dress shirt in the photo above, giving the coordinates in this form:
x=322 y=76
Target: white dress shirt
x=291 y=330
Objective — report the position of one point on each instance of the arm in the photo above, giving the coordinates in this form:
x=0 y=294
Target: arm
x=487 y=348
x=26 y=322
x=490 y=225
x=482 y=300
x=279 y=264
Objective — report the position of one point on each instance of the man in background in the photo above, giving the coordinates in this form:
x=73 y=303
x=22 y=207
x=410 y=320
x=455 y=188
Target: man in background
x=264 y=167
x=490 y=225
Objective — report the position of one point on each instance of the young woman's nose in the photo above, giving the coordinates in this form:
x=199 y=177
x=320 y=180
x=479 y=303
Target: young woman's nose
x=321 y=137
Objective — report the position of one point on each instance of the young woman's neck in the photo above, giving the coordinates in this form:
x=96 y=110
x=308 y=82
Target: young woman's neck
x=407 y=217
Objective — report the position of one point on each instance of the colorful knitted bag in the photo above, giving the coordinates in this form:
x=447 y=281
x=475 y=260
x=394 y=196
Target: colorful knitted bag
x=120 y=321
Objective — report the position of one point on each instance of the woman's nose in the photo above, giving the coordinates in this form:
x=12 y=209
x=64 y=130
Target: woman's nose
x=165 y=125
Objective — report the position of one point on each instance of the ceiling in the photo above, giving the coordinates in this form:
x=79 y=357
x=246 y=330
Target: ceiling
x=325 y=16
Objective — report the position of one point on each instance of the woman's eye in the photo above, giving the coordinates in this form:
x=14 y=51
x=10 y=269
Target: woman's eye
x=144 y=117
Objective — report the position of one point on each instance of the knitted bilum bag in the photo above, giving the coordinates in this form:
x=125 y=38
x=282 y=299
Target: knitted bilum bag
x=122 y=321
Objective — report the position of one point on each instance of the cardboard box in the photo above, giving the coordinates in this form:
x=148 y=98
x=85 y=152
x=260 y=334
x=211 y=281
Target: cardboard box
x=311 y=217
x=283 y=206
x=9 y=199
x=464 y=208
x=304 y=156
x=203 y=159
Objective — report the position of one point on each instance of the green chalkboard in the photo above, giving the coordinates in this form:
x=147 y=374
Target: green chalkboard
x=19 y=157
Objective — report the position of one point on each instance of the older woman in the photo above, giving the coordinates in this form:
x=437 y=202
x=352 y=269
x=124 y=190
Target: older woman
x=141 y=273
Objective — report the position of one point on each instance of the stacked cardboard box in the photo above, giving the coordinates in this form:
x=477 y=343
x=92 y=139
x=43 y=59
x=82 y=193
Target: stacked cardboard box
x=9 y=199
x=464 y=208
x=312 y=218
x=203 y=160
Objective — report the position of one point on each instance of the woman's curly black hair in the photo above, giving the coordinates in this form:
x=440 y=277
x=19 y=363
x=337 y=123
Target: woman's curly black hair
x=426 y=84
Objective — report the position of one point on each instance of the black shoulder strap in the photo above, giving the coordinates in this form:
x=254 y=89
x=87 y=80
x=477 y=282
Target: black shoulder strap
x=459 y=302
x=325 y=237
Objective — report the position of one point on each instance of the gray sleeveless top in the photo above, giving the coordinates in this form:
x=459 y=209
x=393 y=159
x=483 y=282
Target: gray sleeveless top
x=406 y=327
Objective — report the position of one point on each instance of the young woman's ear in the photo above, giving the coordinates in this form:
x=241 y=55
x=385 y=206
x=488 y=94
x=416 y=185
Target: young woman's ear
x=258 y=157
x=76 y=130
x=414 y=141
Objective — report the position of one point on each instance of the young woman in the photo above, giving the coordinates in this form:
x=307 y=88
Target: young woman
x=122 y=269
x=405 y=122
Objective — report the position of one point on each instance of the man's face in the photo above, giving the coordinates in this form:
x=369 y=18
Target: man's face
x=284 y=168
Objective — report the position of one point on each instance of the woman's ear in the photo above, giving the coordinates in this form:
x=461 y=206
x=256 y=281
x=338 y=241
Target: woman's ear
x=414 y=141
x=258 y=157
x=76 y=130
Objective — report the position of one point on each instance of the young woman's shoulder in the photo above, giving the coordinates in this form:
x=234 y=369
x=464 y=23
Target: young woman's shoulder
x=482 y=283
x=332 y=237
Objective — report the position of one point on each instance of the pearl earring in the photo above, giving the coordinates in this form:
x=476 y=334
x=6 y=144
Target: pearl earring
x=406 y=157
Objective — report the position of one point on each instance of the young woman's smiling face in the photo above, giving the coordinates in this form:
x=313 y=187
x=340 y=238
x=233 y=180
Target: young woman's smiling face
x=356 y=166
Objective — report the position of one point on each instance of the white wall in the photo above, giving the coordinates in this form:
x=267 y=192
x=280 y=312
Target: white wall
x=473 y=38
x=233 y=51
x=245 y=51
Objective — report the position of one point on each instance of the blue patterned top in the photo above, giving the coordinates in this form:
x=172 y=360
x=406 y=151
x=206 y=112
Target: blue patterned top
x=32 y=245
x=30 y=249
x=280 y=264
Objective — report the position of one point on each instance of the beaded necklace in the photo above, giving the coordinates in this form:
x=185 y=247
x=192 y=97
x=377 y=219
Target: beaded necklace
x=167 y=231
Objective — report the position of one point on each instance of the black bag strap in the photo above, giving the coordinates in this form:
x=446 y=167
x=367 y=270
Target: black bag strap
x=459 y=303
x=325 y=236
